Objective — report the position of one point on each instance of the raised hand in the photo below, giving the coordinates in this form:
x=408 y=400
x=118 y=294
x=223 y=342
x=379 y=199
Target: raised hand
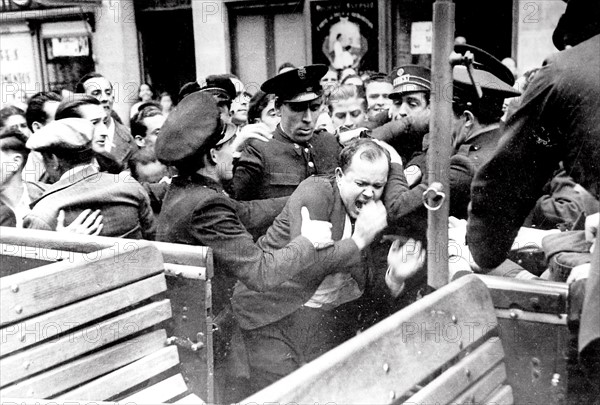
x=371 y=220
x=87 y=223
x=318 y=232
x=404 y=261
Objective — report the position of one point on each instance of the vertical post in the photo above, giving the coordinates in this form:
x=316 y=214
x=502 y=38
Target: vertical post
x=440 y=142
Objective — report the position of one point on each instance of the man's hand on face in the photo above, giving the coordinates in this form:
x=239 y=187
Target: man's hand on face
x=371 y=220
x=318 y=232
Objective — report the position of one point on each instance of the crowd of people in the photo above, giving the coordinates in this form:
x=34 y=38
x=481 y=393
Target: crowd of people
x=310 y=191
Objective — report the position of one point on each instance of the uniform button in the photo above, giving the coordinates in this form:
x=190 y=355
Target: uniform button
x=476 y=148
x=296 y=146
x=306 y=150
x=311 y=164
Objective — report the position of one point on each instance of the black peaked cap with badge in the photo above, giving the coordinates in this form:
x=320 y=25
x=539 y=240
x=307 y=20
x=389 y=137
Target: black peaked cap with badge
x=187 y=129
x=409 y=79
x=297 y=85
x=494 y=78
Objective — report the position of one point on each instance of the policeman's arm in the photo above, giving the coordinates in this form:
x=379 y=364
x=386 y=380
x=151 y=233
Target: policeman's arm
x=248 y=172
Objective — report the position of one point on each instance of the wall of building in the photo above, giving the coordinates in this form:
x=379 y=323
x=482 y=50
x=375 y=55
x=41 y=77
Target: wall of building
x=116 y=51
x=535 y=25
x=211 y=35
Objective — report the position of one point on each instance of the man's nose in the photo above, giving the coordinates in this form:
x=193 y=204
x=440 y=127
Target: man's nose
x=348 y=121
x=403 y=110
x=368 y=192
x=307 y=115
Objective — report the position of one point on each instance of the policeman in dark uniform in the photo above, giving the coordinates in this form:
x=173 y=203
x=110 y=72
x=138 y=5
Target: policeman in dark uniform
x=275 y=168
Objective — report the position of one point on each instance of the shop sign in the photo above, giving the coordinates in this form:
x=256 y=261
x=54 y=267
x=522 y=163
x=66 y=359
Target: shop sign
x=69 y=47
x=421 y=37
x=18 y=67
x=345 y=34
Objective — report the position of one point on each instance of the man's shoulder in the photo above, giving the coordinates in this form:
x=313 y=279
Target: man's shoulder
x=315 y=186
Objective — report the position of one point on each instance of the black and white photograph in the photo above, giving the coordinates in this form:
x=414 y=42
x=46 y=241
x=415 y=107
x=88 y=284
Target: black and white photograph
x=341 y=202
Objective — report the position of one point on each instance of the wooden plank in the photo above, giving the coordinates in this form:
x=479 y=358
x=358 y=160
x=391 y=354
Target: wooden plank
x=386 y=361
x=160 y=392
x=40 y=401
x=173 y=253
x=46 y=355
x=126 y=377
x=460 y=376
x=484 y=387
x=37 y=253
x=38 y=290
x=190 y=400
x=189 y=272
x=503 y=396
x=87 y=368
x=43 y=327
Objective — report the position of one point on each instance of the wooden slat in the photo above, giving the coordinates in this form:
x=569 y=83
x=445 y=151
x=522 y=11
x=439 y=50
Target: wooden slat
x=387 y=360
x=87 y=368
x=190 y=272
x=43 y=327
x=173 y=253
x=160 y=392
x=39 y=401
x=46 y=355
x=503 y=396
x=460 y=376
x=37 y=252
x=38 y=290
x=484 y=387
x=126 y=377
x=190 y=400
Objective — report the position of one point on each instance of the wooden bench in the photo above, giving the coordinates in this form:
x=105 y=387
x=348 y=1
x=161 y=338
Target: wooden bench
x=443 y=349
x=97 y=324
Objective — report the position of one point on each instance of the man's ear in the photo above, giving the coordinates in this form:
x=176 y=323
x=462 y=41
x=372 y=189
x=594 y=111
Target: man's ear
x=36 y=126
x=140 y=141
x=469 y=118
x=339 y=173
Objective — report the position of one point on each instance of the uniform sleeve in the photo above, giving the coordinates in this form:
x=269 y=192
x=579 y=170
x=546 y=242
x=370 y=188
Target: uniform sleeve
x=248 y=173
x=397 y=197
x=258 y=215
x=146 y=216
x=505 y=189
x=34 y=222
x=217 y=225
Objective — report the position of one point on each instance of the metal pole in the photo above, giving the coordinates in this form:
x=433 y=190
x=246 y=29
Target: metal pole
x=440 y=142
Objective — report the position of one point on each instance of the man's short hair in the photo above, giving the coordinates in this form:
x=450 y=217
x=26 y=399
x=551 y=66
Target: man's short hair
x=138 y=127
x=257 y=104
x=35 y=108
x=368 y=149
x=14 y=140
x=346 y=92
x=70 y=108
x=80 y=88
x=7 y=112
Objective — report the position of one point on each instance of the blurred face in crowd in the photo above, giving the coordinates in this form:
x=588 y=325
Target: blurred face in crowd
x=166 y=103
x=102 y=90
x=408 y=105
x=347 y=114
x=298 y=119
x=329 y=80
x=239 y=109
x=153 y=125
x=363 y=181
x=269 y=115
x=19 y=122
x=222 y=155
x=152 y=172
x=145 y=93
x=378 y=97
x=95 y=114
x=11 y=162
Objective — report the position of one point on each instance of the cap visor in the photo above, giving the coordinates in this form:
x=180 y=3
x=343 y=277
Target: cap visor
x=487 y=81
x=303 y=97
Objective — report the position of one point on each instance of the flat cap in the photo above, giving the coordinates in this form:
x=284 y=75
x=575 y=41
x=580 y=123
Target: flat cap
x=297 y=85
x=410 y=78
x=187 y=128
x=66 y=133
x=219 y=85
x=494 y=78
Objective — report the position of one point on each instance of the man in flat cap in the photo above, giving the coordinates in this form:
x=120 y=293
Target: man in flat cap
x=557 y=120
x=275 y=168
x=66 y=148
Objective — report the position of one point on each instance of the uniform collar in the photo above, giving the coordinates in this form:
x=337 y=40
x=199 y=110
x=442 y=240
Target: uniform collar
x=281 y=136
x=483 y=130
x=201 y=180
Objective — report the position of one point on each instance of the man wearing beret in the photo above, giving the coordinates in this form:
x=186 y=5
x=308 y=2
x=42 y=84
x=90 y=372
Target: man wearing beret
x=66 y=148
x=295 y=152
x=558 y=120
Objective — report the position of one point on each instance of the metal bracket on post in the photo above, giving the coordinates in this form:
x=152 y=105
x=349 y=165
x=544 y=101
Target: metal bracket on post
x=433 y=197
x=187 y=343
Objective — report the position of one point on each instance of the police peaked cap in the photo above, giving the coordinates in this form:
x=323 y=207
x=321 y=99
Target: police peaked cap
x=408 y=79
x=494 y=78
x=219 y=85
x=297 y=85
